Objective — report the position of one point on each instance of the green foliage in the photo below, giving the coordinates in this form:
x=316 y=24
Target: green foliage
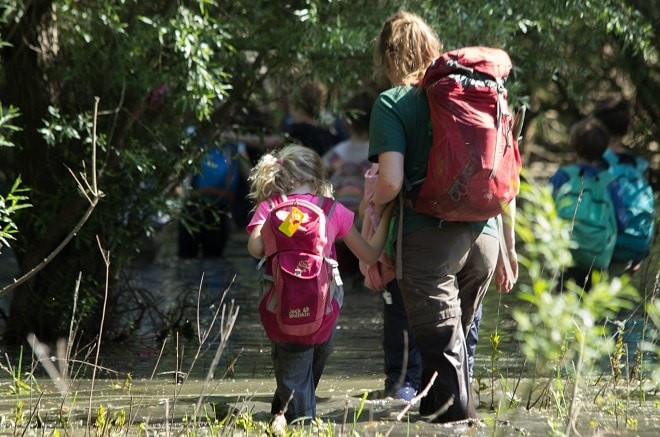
x=572 y=317
x=60 y=130
x=560 y=319
x=543 y=234
x=7 y=127
x=20 y=381
x=101 y=420
x=14 y=198
x=18 y=414
x=564 y=330
x=158 y=67
x=13 y=201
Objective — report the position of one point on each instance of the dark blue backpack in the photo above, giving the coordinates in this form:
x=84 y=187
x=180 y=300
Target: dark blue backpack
x=219 y=174
x=635 y=242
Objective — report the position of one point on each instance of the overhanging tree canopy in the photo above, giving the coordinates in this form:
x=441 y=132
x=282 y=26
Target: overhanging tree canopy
x=159 y=66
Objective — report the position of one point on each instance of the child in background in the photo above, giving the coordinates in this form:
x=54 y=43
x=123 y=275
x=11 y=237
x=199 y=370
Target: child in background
x=347 y=163
x=306 y=126
x=348 y=160
x=588 y=197
x=634 y=244
x=297 y=172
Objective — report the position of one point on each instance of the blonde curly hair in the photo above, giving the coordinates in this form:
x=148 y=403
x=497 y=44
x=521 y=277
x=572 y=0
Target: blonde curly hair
x=282 y=171
x=405 y=47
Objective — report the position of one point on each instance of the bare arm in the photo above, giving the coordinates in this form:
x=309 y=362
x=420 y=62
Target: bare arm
x=369 y=251
x=255 y=243
x=390 y=179
x=362 y=208
x=504 y=281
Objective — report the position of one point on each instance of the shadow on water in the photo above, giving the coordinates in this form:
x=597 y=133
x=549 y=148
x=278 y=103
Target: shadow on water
x=188 y=292
x=191 y=292
x=177 y=286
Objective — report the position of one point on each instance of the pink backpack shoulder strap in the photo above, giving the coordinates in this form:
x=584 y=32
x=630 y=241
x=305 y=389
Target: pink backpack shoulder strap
x=327 y=205
x=276 y=199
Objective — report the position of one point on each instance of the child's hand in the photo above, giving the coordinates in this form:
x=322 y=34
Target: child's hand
x=362 y=208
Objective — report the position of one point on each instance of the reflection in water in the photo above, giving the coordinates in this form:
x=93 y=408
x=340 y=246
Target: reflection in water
x=177 y=286
x=188 y=293
x=191 y=291
x=358 y=345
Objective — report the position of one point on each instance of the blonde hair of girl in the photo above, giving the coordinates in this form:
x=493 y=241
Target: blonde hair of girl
x=284 y=170
x=404 y=49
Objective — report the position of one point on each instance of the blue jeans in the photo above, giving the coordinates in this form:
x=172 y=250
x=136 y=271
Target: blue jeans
x=298 y=369
x=472 y=338
x=395 y=323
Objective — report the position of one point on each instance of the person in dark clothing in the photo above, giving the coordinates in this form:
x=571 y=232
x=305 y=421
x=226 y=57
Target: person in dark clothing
x=307 y=105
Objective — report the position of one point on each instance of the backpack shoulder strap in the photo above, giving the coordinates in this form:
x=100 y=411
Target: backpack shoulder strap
x=572 y=170
x=606 y=178
x=603 y=177
x=276 y=199
x=327 y=205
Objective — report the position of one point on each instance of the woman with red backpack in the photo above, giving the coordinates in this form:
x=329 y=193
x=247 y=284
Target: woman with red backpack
x=446 y=266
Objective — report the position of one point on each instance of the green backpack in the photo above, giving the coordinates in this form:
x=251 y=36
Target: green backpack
x=586 y=203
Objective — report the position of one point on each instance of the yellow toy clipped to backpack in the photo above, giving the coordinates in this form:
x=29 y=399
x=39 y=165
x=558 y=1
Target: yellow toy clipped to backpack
x=292 y=222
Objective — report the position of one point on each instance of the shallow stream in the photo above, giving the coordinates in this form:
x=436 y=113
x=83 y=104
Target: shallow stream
x=172 y=375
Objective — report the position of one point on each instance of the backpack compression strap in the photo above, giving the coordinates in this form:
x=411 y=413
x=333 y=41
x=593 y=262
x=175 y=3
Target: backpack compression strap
x=328 y=211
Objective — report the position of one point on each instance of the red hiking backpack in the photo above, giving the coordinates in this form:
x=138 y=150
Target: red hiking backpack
x=300 y=307
x=474 y=162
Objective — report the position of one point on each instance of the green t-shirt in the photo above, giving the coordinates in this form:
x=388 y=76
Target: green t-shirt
x=401 y=122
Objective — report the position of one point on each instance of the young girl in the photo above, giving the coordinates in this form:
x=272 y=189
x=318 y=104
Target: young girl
x=298 y=172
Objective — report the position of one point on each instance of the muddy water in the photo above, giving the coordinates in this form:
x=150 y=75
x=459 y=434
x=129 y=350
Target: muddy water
x=234 y=279
x=358 y=350
x=243 y=379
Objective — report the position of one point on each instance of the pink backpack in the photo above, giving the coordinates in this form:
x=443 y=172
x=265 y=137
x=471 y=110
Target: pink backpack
x=378 y=275
x=299 y=307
